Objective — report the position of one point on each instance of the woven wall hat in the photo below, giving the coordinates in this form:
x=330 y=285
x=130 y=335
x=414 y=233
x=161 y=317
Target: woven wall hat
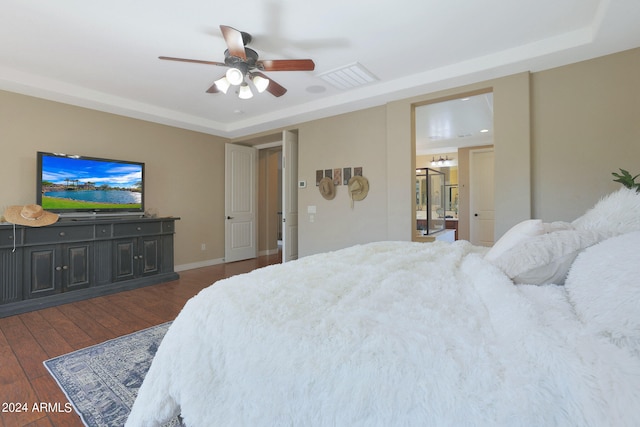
x=358 y=188
x=29 y=215
x=327 y=188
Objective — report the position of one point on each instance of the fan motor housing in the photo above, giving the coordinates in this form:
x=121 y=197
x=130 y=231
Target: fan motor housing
x=233 y=61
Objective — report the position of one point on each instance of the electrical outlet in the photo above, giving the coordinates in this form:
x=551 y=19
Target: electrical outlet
x=203 y=247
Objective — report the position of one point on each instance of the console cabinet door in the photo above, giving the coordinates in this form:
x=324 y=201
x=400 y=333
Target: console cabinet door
x=52 y=269
x=125 y=259
x=42 y=270
x=150 y=255
x=135 y=257
x=76 y=269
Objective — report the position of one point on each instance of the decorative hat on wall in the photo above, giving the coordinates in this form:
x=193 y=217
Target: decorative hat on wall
x=358 y=188
x=30 y=215
x=327 y=188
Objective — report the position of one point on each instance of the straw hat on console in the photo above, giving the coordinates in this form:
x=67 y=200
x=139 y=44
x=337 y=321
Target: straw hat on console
x=30 y=215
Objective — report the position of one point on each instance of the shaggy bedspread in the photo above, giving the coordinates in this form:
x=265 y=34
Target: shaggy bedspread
x=386 y=334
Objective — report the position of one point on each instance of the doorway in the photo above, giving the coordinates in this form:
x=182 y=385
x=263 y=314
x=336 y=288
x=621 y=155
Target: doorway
x=482 y=205
x=278 y=196
x=270 y=199
x=444 y=132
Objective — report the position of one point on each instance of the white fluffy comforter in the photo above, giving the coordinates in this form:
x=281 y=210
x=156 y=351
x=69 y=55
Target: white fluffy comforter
x=386 y=334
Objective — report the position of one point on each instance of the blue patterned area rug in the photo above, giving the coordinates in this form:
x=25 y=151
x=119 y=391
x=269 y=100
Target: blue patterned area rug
x=102 y=381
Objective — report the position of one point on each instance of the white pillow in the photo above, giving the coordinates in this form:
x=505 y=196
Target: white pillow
x=545 y=258
x=516 y=234
x=617 y=213
x=604 y=287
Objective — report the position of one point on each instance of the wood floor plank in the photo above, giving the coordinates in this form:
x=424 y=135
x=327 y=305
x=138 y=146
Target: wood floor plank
x=138 y=304
x=113 y=303
x=10 y=367
x=25 y=347
x=77 y=313
x=44 y=422
x=47 y=336
x=15 y=387
x=60 y=413
x=72 y=333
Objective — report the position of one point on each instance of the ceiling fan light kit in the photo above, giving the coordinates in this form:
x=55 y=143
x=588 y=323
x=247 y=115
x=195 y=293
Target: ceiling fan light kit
x=244 y=66
x=235 y=76
x=223 y=84
x=260 y=83
x=245 y=92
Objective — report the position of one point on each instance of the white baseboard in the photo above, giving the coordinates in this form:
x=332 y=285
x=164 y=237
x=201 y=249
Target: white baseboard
x=268 y=252
x=217 y=261
x=198 y=264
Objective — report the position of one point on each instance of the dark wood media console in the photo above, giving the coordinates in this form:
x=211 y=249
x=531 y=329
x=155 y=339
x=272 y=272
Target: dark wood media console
x=76 y=259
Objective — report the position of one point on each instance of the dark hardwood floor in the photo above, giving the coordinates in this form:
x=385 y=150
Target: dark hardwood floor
x=26 y=340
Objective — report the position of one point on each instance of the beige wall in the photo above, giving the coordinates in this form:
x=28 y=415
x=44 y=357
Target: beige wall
x=184 y=170
x=586 y=124
x=349 y=140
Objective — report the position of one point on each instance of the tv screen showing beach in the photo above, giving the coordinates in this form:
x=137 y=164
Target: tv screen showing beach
x=72 y=183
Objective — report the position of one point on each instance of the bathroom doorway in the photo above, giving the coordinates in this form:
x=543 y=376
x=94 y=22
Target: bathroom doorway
x=445 y=132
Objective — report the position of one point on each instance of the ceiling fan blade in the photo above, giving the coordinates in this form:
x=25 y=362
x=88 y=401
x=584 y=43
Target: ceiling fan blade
x=274 y=88
x=286 y=65
x=196 y=61
x=213 y=89
x=234 y=41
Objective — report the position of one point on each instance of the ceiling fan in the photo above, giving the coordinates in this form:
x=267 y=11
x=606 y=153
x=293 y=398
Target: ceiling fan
x=244 y=66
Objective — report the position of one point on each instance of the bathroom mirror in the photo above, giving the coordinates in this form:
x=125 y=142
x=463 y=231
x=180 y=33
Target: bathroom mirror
x=451 y=201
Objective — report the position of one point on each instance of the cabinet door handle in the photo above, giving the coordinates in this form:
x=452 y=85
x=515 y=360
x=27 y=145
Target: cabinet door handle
x=62 y=234
x=229 y=217
x=65 y=267
x=58 y=268
x=139 y=228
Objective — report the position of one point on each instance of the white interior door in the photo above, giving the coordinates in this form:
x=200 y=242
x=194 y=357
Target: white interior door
x=289 y=196
x=481 y=192
x=240 y=233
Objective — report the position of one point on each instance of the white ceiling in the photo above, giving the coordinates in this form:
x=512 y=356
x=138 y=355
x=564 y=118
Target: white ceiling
x=104 y=55
x=443 y=127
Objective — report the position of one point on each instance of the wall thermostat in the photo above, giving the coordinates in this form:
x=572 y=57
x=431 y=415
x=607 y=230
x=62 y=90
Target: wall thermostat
x=302 y=184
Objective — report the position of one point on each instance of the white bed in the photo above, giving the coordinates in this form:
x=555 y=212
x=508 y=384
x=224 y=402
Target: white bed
x=414 y=334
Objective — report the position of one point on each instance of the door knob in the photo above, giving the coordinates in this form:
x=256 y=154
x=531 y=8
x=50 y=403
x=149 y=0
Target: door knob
x=475 y=214
x=229 y=217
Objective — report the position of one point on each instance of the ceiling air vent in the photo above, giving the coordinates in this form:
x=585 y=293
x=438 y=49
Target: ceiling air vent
x=349 y=76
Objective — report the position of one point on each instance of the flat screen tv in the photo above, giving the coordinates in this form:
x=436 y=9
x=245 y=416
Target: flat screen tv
x=69 y=184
